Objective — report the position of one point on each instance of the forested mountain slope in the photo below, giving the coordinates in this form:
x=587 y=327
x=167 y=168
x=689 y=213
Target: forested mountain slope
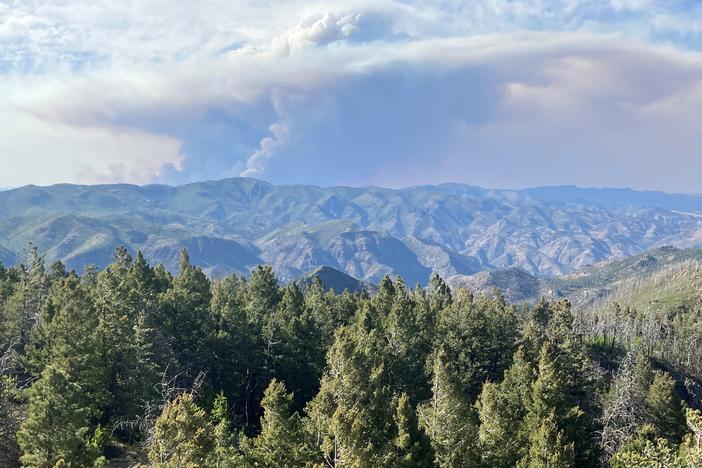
x=231 y=225
x=133 y=366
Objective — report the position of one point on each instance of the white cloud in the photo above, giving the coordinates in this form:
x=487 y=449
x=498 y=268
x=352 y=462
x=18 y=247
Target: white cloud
x=41 y=152
x=344 y=92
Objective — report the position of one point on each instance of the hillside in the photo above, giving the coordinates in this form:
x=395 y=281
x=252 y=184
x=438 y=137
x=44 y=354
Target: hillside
x=515 y=284
x=335 y=280
x=233 y=224
x=659 y=280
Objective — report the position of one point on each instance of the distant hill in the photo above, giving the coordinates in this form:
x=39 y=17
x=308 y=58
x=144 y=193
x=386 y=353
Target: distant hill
x=453 y=229
x=515 y=284
x=336 y=280
x=662 y=279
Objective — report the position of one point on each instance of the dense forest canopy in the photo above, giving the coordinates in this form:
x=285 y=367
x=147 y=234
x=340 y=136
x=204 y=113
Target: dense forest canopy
x=132 y=365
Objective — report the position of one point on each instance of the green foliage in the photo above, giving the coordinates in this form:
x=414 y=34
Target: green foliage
x=439 y=293
x=412 y=444
x=553 y=417
x=58 y=426
x=646 y=451
x=478 y=337
x=502 y=409
x=449 y=420
x=281 y=442
x=10 y=415
x=664 y=408
x=352 y=415
x=249 y=372
x=547 y=447
x=185 y=320
x=183 y=435
x=293 y=345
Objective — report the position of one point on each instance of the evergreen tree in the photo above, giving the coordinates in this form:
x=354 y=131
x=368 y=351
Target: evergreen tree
x=352 y=415
x=449 y=420
x=664 y=408
x=59 y=427
x=22 y=310
x=183 y=435
x=10 y=410
x=185 y=320
x=647 y=451
x=297 y=354
x=383 y=299
x=534 y=333
x=280 y=443
x=224 y=453
x=479 y=338
x=412 y=445
x=71 y=342
x=502 y=409
x=552 y=413
x=409 y=344
x=239 y=368
x=547 y=448
x=126 y=303
x=263 y=295
x=691 y=448
x=439 y=294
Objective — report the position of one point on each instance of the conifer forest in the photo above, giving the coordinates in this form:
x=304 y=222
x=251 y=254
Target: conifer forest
x=134 y=366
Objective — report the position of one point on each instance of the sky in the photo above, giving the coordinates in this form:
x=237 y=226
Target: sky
x=496 y=93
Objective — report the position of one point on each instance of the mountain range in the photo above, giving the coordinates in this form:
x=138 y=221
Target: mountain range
x=231 y=225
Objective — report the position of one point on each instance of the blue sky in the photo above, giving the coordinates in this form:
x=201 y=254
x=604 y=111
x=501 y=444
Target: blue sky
x=495 y=93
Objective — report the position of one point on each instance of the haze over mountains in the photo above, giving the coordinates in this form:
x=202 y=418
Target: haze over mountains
x=231 y=225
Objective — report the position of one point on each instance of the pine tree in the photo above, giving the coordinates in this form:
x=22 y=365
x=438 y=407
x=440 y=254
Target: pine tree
x=185 y=321
x=298 y=354
x=547 y=447
x=502 y=409
x=239 y=368
x=23 y=308
x=224 y=453
x=580 y=391
x=439 y=294
x=327 y=311
x=551 y=410
x=479 y=338
x=183 y=435
x=126 y=303
x=409 y=344
x=534 y=333
x=664 y=408
x=412 y=444
x=382 y=300
x=58 y=426
x=71 y=393
x=71 y=341
x=449 y=420
x=352 y=415
x=691 y=448
x=646 y=451
x=11 y=410
x=280 y=443
x=263 y=295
